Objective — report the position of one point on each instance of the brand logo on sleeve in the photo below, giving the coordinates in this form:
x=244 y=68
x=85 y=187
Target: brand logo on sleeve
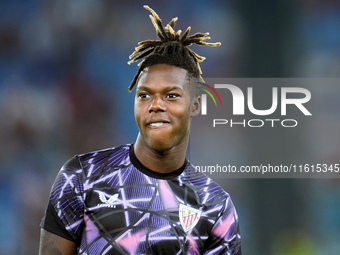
x=188 y=217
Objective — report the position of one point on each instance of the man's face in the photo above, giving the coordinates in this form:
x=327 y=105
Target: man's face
x=163 y=107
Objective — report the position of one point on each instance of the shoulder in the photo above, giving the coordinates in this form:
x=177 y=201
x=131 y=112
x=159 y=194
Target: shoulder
x=205 y=185
x=83 y=163
x=196 y=177
x=114 y=156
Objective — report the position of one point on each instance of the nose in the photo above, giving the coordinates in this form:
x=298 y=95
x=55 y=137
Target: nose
x=157 y=105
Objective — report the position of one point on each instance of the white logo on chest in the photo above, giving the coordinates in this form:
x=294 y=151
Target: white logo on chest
x=108 y=202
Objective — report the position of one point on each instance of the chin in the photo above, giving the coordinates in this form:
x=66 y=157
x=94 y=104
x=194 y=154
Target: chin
x=160 y=146
x=162 y=142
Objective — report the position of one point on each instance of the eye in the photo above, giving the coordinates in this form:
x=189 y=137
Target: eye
x=143 y=95
x=172 y=95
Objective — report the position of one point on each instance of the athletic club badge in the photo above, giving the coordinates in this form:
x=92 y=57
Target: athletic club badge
x=188 y=216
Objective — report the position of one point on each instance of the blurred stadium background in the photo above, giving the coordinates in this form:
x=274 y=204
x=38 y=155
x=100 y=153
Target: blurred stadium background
x=63 y=91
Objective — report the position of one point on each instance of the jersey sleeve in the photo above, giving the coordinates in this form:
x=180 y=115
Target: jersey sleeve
x=65 y=212
x=225 y=236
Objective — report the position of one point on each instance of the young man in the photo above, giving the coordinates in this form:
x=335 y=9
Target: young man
x=146 y=198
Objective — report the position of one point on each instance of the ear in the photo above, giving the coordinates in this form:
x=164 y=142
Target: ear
x=195 y=106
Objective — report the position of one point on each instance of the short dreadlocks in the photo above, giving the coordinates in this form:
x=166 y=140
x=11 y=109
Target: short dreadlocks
x=170 y=49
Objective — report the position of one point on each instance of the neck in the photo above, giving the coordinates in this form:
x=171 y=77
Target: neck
x=161 y=161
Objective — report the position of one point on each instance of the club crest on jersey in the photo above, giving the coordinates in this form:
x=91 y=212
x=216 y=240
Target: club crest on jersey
x=108 y=202
x=188 y=217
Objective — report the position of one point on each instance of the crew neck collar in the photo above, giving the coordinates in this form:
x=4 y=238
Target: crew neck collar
x=149 y=172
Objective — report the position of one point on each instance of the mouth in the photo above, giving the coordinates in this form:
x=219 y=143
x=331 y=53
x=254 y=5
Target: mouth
x=158 y=124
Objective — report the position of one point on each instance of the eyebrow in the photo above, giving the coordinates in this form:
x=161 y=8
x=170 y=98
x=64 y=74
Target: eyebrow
x=169 y=88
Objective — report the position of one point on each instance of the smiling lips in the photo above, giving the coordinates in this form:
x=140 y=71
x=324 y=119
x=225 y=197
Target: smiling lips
x=158 y=124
